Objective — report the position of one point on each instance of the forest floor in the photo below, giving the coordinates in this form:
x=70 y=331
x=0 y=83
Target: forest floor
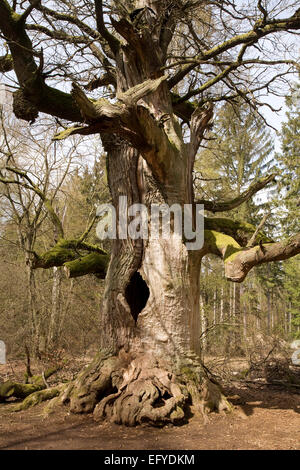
x=265 y=417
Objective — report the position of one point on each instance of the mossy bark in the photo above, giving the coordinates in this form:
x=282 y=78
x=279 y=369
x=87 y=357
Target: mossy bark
x=12 y=389
x=38 y=397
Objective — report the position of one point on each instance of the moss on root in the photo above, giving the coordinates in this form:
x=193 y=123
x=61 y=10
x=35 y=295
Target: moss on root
x=38 y=397
x=11 y=389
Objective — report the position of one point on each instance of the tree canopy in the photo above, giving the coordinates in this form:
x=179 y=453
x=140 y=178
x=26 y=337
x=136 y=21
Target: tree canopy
x=206 y=53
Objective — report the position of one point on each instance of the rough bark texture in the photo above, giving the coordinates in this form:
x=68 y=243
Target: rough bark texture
x=145 y=388
x=150 y=318
x=148 y=368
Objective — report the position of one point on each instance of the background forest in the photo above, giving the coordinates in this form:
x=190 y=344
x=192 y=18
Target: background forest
x=47 y=309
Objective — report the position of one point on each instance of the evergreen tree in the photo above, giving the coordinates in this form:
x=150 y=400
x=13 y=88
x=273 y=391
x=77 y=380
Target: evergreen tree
x=238 y=153
x=289 y=165
x=292 y=295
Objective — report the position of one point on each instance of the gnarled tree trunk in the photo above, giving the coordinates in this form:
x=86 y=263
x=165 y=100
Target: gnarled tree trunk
x=148 y=368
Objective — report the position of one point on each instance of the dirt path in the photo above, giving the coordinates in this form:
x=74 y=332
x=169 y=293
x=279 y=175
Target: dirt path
x=272 y=422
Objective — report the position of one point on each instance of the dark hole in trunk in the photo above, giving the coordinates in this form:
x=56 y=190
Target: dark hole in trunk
x=137 y=294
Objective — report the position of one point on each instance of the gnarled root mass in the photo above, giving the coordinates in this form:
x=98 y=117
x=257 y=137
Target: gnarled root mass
x=129 y=390
x=134 y=390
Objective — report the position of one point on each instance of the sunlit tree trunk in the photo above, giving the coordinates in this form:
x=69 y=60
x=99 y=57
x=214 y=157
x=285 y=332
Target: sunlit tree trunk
x=55 y=317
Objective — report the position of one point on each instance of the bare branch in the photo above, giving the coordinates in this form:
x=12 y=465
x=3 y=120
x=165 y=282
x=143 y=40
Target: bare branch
x=233 y=203
x=110 y=38
x=30 y=185
x=27 y=12
x=239 y=263
x=251 y=37
x=252 y=240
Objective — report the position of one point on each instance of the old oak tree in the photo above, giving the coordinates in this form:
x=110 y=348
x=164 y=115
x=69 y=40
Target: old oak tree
x=146 y=76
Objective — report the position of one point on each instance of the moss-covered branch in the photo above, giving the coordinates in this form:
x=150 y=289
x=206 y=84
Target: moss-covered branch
x=239 y=260
x=93 y=263
x=72 y=255
x=224 y=206
x=241 y=231
x=56 y=256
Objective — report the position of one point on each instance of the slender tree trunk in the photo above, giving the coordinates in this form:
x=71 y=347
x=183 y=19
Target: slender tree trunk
x=268 y=312
x=65 y=308
x=222 y=305
x=33 y=310
x=237 y=318
x=54 y=323
x=215 y=308
x=290 y=318
x=259 y=308
x=245 y=319
x=204 y=325
x=231 y=287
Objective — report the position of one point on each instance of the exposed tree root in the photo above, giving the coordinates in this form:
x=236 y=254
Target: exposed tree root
x=11 y=389
x=148 y=393
x=38 y=397
x=93 y=383
x=128 y=390
x=141 y=390
x=18 y=390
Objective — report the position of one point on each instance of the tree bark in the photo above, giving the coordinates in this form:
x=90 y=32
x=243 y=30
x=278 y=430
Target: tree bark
x=150 y=317
x=148 y=368
x=54 y=323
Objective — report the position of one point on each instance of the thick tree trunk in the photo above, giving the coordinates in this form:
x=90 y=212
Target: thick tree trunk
x=151 y=298
x=149 y=368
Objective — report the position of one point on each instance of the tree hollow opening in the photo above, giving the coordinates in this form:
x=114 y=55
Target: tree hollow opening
x=137 y=294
